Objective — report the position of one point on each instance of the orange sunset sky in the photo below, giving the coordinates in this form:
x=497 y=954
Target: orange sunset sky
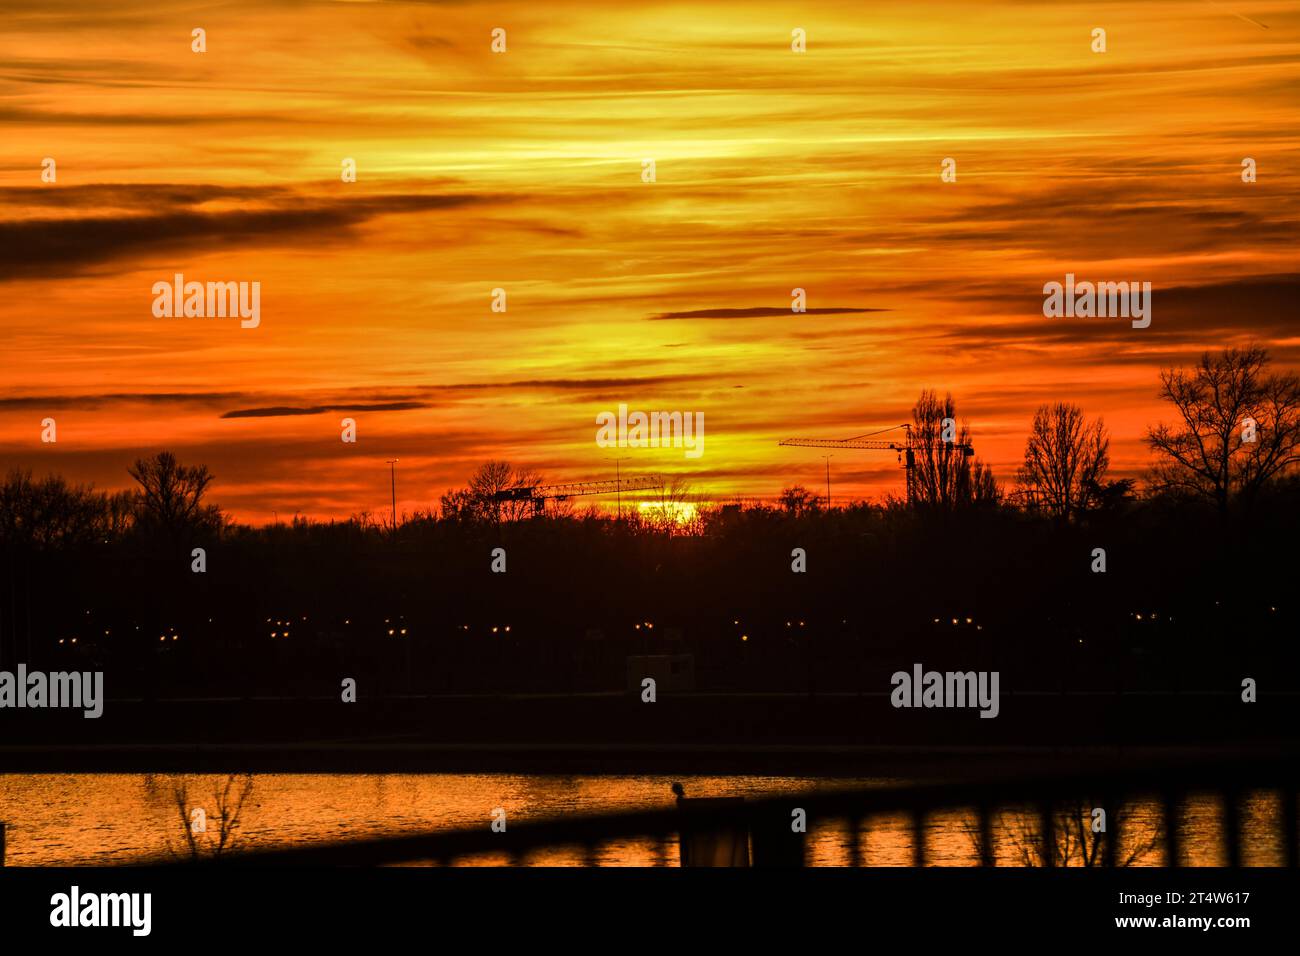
x=522 y=170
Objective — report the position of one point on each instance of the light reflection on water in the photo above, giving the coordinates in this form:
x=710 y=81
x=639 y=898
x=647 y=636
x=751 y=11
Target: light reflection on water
x=105 y=819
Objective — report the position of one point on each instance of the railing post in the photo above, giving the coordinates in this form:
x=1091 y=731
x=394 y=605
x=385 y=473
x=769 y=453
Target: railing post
x=1047 y=823
x=1289 y=825
x=918 y=837
x=1173 y=839
x=1232 y=827
x=1110 y=849
x=987 y=857
x=855 y=841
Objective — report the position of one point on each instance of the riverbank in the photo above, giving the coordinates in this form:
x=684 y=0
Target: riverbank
x=825 y=734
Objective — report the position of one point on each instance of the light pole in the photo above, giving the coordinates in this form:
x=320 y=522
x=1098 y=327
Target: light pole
x=392 y=477
x=618 y=484
x=828 y=479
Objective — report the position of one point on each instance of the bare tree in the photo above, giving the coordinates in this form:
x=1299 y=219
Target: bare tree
x=478 y=502
x=1073 y=841
x=1239 y=428
x=944 y=475
x=798 y=500
x=1066 y=457
x=984 y=488
x=50 y=513
x=228 y=801
x=171 y=495
x=672 y=510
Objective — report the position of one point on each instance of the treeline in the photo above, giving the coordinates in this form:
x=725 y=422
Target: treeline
x=1066 y=580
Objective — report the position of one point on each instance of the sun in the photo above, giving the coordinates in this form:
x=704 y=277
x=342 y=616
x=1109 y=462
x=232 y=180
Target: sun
x=679 y=512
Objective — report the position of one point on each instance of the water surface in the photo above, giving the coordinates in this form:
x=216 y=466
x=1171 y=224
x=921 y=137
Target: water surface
x=106 y=819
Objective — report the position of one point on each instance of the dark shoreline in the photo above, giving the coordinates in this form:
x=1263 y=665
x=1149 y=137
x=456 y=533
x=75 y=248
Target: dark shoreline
x=615 y=759
x=832 y=735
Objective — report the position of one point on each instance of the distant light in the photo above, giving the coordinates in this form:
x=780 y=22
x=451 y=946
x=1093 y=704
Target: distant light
x=968 y=620
x=390 y=631
x=744 y=637
x=74 y=640
x=494 y=630
x=507 y=628
x=403 y=630
x=954 y=621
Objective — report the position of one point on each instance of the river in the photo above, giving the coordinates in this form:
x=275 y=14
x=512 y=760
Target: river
x=108 y=819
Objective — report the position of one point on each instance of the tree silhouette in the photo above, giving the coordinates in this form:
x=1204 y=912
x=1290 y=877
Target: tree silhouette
x=171 y=495
x=50 y=513
x=944 y=475
x=1066 y=457
x=1223 y=403
x=478 y=503
x=797 y=500
x=671 y=509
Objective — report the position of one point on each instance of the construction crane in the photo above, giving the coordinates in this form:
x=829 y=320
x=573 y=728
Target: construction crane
x=906 y=448
x=540 y=494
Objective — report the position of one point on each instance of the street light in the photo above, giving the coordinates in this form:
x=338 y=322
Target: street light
x=392 y=476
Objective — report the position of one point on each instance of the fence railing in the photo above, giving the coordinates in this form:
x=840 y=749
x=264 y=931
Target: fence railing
x=697 y=826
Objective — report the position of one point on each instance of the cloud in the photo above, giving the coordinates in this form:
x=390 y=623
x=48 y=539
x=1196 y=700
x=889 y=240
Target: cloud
x=68 y=246
x=281 y=411
x=103 y=398
x=754 y=312
x=361 y=399
x=1182 y=315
